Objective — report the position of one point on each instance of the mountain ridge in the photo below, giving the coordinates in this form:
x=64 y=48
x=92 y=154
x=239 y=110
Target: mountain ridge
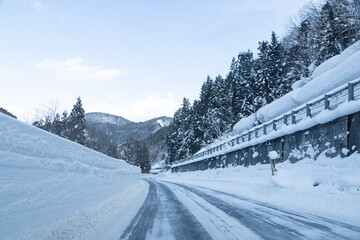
x=115 y=119
x=119 y=129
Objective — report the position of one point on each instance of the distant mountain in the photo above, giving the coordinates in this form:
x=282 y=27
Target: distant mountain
x=119 y=129
x=118 y=137
x=98 y=117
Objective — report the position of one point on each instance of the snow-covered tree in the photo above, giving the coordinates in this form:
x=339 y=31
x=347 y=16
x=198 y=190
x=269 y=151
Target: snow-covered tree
x=76 y=123
x=324 y=30
x=179 y=140
x=242 y=81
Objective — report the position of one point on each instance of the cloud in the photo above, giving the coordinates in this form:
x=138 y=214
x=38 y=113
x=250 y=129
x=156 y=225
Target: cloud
x=37 y=5
x=155 y=105
x=74 y=68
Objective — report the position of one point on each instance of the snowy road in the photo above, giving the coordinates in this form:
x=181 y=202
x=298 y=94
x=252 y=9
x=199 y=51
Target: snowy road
x=177 y=211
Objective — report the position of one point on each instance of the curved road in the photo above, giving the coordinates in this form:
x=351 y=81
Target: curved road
x=177 y=211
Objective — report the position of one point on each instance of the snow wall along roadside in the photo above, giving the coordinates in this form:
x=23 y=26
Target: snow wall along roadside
x=335 y=132
x=48 y=184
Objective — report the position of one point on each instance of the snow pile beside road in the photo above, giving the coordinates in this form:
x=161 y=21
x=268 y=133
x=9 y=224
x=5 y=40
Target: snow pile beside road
x=327 y=186
x=328 y=175
x=331 y=74
x=51 y=188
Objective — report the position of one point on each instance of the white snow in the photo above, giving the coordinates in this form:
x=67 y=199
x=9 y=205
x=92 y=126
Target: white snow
x=325 y=116
x=161 y=123
x=345 y=151
x=331 y=74
x=255 y=155
x=329 y=187
x=273 y=155
x=97 y=117
x=51 y=188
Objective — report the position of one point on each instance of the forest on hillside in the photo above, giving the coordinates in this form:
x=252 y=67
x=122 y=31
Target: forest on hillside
x=257 y=79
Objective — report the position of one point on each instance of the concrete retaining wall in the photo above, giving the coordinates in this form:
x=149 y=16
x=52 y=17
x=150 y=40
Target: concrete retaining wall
x=331 y=138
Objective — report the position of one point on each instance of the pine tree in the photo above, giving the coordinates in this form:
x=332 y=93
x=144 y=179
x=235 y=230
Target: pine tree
x=64 y=132
x=242 y=85
x=112 y=150
x=180 y=139
x=279 y=84
x=270 y=79
x=221 y=106
x=206 y=108
x=197 y=128
x=263 y=94
x=298 y=57
x=206 y=93
x=327 y=43
x=56 y=126
x=76 y=123
x=142 y=157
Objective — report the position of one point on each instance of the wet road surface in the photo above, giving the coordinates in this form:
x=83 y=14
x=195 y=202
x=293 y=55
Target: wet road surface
x=177 y=211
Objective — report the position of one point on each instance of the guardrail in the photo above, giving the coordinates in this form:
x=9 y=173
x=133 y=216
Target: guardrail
x=330 y=101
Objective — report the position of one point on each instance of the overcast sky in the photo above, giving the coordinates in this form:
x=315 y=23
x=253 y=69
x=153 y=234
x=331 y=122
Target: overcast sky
x=135 y=59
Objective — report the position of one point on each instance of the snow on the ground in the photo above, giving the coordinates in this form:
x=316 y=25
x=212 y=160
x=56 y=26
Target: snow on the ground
x=329 y=187
x=331 y=74
x=51 y=188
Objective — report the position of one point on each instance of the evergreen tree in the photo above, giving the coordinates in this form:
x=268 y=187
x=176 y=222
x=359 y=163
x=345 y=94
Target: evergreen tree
x=242 y=85
x=270 y=79
x=327 y=43
x=298 y=57
x=197 y=128
x=142 y=158
x=263 y=82
x=136 y=153
x=180 y=139
x=221 y=106
x=56 y=126
x=112 y=151
x=206 y=93
x=206 y=107
x=76 y=123
x=64 y=124
x=280 y=85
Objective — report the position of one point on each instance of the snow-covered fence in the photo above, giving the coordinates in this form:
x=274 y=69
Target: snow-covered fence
x=330 y=101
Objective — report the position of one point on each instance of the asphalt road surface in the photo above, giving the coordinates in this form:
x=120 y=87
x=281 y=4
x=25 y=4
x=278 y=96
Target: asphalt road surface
x=177 y=211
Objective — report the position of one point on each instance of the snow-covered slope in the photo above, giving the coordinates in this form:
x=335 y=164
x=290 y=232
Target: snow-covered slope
x=164 y=122
x=120 y=130
x=97 y=117
x=51 y=188
x=331 y=74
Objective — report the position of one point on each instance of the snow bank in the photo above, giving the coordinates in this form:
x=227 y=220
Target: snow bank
x=56 y=189
x=325 y=116
x=331 y=74
x=328 y=186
